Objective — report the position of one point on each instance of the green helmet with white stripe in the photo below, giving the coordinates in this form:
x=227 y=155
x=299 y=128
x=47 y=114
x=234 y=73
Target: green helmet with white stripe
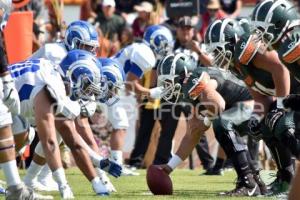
x=272 y=18
x=220 y=40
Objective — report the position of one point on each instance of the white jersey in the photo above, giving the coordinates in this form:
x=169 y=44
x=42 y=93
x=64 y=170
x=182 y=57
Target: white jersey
x=31 y=77
x=55 y=52
x=137 y=58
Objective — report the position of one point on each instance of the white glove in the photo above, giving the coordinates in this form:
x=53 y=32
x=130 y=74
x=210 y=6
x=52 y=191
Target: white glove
x=156 y=93
x=10 y=95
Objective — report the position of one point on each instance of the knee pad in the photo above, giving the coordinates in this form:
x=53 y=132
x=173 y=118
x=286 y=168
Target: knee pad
x=118 y=117
x=5 y=115
x=227 y=137
x=39 y=150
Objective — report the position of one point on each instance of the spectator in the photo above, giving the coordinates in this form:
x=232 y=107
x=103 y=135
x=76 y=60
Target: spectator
x=231 y=7
x=186 y=43
x=213 y=12
x=143 y=20
x=110 y=23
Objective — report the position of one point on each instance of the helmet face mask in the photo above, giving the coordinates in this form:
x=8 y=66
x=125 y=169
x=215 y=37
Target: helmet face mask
x=84 y=89
x=172 y=90
x=87 y=46
x=172 y=73
x=222 y=57
x=112 y=83
x=83 y=86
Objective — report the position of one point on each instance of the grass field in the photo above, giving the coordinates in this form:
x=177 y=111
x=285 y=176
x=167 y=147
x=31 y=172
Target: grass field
x=187 y=184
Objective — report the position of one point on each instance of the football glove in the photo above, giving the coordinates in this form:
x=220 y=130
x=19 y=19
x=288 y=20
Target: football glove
x=111 y=167
x=10 y=95
x=254 y=126
x=273 y=116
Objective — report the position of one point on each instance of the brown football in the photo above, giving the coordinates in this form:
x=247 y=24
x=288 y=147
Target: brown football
x=159 y=182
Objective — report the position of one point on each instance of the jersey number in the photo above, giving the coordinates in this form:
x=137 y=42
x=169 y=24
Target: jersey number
x=19 y=69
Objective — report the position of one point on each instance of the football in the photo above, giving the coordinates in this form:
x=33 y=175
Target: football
x=159 y=182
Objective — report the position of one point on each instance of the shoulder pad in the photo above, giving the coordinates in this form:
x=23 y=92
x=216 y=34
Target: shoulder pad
x=143 y=57
x=289 y=50
x=51 y=51
x=198 y=83
x=245 y=49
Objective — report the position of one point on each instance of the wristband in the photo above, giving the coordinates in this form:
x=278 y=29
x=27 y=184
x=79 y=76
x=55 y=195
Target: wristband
x=279 y=102
x=174 y=162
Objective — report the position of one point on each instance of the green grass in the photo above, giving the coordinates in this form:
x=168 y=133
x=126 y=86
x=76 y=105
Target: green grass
x=187 y=184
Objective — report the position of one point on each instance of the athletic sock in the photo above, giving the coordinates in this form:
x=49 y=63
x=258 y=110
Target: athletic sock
x=117 y=156
x=252 y=164
x=33 y=170
x=11 y=173
x=240 y=163
x=44 y=172
x=60 y=177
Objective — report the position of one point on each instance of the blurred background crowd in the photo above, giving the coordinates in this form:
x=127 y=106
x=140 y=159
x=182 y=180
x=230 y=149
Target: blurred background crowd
x=120 y=23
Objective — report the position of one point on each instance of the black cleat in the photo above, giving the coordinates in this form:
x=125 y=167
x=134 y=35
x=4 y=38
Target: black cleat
x=245 y=186
x=262 y=186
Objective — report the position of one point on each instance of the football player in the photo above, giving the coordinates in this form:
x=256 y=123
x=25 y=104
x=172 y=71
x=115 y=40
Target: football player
x=10 y=103
x=268 y=82
x=79 y=35
x=276 y=25
x=137 y=59
x=230 y=106
x=44 y=102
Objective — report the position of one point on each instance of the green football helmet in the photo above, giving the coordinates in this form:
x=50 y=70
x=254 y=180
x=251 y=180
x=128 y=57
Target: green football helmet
x=172 y=71
x=270 y=19
x=220 y=39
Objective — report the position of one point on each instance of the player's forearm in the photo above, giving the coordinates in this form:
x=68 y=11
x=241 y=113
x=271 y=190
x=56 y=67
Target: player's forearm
x=188 y=143
x=72 y=139
x=85 y=131
x=281 y=79
x=213 y=101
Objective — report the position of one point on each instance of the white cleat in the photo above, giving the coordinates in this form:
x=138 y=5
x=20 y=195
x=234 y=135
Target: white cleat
x=100 y=188
x=36 y=185
x=20 y=191
x=48 y=182
x=66 y=192
x=105 y=180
